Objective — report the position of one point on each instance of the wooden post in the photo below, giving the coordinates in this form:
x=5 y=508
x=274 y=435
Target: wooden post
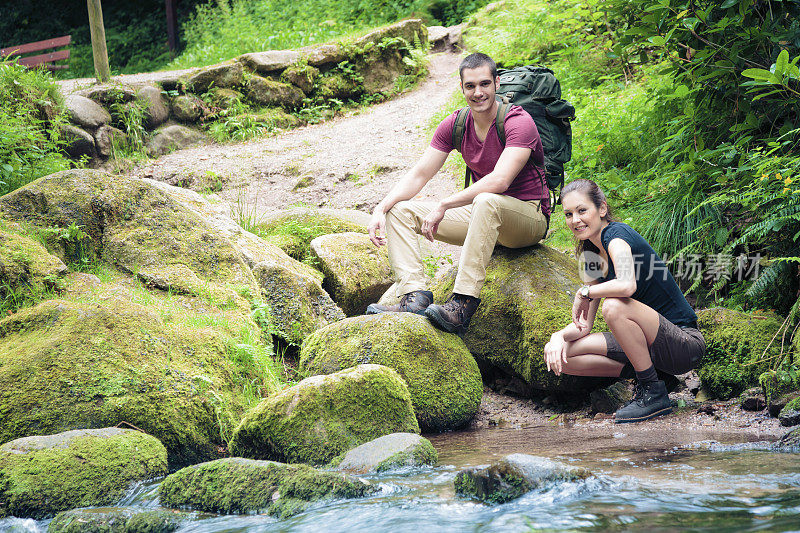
x=99 y=50
x=172 y=26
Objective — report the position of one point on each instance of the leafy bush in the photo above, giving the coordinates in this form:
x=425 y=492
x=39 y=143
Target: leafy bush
x=30 y=116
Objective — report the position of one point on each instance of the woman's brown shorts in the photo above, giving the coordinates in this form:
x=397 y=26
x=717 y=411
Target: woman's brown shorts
x=675 y=350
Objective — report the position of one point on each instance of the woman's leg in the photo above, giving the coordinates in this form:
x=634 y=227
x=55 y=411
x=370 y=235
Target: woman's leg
x=587 y=357
x=635 y=326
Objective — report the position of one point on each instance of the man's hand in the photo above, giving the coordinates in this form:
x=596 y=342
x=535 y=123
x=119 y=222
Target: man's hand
x=580 y=313
x=377 y=228
x=430 y=224
x=555 y=353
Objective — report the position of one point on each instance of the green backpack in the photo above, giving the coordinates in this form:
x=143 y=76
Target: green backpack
x=537 y=91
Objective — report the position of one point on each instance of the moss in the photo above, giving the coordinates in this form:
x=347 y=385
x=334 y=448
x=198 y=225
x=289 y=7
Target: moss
x=442 y=376
x=114 y=521
x=527 y=296
x=235 y=485
x=291 y=244
x=338 y=85
x=174 y=366
x=306 y=227
x=736 y=349
x=422 y=454
x=323 y=416
x=356 y=271
x=83 y=468
x=301 y=75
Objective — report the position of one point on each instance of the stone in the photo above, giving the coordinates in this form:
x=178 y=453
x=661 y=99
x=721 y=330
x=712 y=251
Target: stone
x=337 y=85
x=357 y=272
x=85 y=112
x=379 y=76
x=325 y=54
x=187 y=108
x=390 y=452
x=78 y=142
x=737 y=349
x=106 y=137
x=269 y=60
x=324 y=416
x=609 y=399
x=171 y=138
x=753 y=400
x=789 y=442
x=412 y=30
x=790 y=414
x=227 y=98
x=301 y=76
x=442 y=376
x=110 y=93
x=43 y=475
x=111 y=520
x=449 y=39
x=268 y=92
x=25 y=265
x=527 y=296
x=225 y=75
x=245 y=486
x=513 y=476
x=778 y=403
x=156 y=111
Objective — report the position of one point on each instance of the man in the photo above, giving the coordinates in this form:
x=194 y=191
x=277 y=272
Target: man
x=507 y=203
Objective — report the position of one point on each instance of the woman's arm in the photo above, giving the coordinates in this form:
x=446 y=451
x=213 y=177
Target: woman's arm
x=624 y=284
x=583 y=314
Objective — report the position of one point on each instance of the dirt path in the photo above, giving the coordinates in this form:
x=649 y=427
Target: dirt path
x=350 y=162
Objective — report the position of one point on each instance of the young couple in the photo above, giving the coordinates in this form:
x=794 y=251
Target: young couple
x=652 y=326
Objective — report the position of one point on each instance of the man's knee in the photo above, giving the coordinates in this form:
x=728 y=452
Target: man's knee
x=613 y=309
x=400 y=211
x=485 y=202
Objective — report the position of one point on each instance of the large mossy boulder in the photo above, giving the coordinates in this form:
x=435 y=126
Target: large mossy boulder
x=390 y=452
x=357 y=272
x=226 y=75
x=324 y=416
x=442 y=376
x=245 y=486
x=26 y=267
x=527 y=296
x=513 y=476
x=274 y=93
x=114 y=520
x=43 y=475
x=736 y=349
x=127 y=223
x=109 y=353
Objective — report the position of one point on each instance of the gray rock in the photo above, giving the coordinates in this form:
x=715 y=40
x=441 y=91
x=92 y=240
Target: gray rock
x=105 y=137
x=302 y=77
x=449 y=39
x=778 y=402
x=324 y=416
x=753 y=400
x=789 y=417
x=325 y=54
x=392 y=451
x=110 y=93
x=611 y=398
x=513 y=476
x=157 y=111
x=239 y=486
x=113 y=520
x=379 y=76
x=274 y=93
x=790 y=442
x=44 y=475
x=225 y=75
x=270 y=60
x=412 y=30
x=225 y=98
x=356 y=271
x=172 y=138
x=78 y=142
x=85 y=112
x=187 y=108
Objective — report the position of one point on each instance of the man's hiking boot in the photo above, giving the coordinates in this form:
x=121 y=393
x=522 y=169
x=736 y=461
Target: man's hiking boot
x=455 y=314
x=412 y=302
x=650 y=400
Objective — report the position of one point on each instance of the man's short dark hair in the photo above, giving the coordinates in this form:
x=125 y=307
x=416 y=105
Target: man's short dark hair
x=475 y=61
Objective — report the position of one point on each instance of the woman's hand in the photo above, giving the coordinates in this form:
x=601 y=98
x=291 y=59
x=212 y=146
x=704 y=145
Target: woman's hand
x=555 y=353
x=580 y=314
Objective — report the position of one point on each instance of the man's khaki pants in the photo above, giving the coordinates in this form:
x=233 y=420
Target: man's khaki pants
x=490 y=219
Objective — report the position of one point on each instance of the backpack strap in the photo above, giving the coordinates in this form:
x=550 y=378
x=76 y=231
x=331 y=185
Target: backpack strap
x=500 y=120
x=459 y=128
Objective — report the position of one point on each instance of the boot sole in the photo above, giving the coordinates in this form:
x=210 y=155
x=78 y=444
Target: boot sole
x=660 y=412
x=371 y=310
x=439 y=321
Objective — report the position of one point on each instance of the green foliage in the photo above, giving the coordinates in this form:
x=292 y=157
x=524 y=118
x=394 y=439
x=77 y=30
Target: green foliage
x=30 y=115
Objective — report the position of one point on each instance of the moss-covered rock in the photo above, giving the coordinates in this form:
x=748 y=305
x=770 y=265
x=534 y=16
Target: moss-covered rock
x=790 y=414
x=47 y=474
x=389 y=452
x=356 y=271
x=513 y=476
x=187 y=108
x=790 y=442
x=442 y=376
x=736 y=342
x=336 y=84
x=291 y=244
x=171 y=138
x=609 y=399
x=26 y=267
x=237 y=486
x=226 y=98
x=269 y=60
x=230 y=74
x=156 y=109
x=527 y=296
x=324 y=416
x=179 y=367
x=114 y=521
x=301 y=75
x=269 y=92
x=128 y=223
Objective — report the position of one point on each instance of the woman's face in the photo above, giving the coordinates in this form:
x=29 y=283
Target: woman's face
x=582 y=216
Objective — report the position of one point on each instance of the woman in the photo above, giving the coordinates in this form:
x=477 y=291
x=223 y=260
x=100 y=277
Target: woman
x=652 y=325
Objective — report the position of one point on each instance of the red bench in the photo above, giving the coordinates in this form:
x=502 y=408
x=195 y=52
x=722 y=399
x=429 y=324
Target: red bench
x=46 y=60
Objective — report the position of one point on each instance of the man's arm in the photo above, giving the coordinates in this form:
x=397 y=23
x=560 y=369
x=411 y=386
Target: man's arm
x=497 y=181
x=406 y=188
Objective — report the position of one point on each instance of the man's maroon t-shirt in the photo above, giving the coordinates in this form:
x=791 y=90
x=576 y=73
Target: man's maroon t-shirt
x=481 y=157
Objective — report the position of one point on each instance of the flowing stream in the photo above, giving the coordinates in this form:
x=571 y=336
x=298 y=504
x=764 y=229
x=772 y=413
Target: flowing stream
x=646 y=478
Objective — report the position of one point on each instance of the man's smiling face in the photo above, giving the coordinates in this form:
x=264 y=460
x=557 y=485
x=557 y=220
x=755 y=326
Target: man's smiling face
x=479 y=87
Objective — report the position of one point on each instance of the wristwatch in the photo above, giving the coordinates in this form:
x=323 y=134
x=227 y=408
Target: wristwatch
x=584 y=293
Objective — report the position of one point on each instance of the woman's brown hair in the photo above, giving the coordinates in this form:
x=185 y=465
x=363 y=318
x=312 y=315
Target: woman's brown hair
x=595 y=194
